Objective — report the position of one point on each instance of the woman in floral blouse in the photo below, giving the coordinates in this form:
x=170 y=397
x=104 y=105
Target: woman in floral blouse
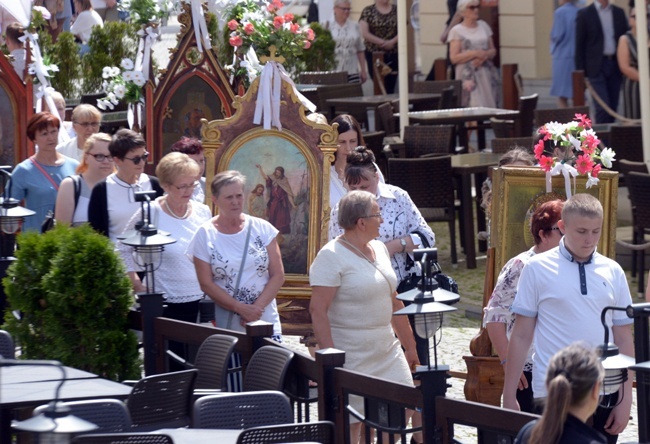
x=498 y=319
x=401 y=217
x=349 y=51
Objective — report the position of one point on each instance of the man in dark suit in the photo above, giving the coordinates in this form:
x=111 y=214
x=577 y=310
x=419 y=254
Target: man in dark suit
x=598 y=28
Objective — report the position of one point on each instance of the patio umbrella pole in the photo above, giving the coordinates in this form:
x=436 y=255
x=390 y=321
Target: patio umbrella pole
x=644 y=79
x=403 y=65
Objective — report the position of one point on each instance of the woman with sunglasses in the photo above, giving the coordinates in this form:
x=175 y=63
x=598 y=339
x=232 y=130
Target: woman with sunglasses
x=112 y=202
x=471 y=50
x=74 y=192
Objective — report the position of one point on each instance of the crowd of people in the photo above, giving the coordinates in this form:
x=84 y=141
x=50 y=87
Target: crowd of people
x=235 y=259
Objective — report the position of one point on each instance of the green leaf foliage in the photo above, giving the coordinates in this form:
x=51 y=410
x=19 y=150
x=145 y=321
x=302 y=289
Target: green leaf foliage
x=65 y=55
x=320 y=57
x=108 y=46
x=74 y=296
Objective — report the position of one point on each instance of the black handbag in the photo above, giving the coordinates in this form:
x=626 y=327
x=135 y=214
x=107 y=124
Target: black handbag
x=48 y=222
x=411 y=280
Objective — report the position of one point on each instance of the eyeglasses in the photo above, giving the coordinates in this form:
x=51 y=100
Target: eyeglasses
x=552 y=229
x=136 y=160
x=344 y=9
x=88 y=124
x=101 y=157
x=378 y=215
x=474 y=7
x=187 y=187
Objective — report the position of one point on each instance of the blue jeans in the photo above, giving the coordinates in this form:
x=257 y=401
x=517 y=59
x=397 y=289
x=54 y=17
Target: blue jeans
x=607 y=85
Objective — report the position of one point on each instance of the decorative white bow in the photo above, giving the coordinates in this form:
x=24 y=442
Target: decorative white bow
x=269 y=93
x=200 y=26
x=567 y=171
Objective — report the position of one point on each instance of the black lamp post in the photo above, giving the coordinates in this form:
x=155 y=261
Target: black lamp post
x=12 y=216
x=641 y=313
x=148 y=247
x=55 y=424
x=428 y=302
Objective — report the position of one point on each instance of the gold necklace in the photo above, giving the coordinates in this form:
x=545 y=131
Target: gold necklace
x=342 y=238
x=174 y=215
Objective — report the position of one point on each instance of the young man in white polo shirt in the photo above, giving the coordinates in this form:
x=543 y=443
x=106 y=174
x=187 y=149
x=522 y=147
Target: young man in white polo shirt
x=560 y=297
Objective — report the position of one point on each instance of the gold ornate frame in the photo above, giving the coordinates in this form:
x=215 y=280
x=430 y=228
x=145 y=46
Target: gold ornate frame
x=516 y=190
x=224 y=139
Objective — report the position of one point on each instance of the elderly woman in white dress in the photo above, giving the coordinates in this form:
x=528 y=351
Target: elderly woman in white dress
x=350 y=49
x=353 y=299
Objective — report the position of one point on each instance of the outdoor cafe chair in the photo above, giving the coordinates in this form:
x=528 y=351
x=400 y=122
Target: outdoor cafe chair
x=438 y=87
x=428 y=181
x=162 y=401
x=638 y=185
x=323 y=77
x=211 y=361
x=267 y=369
x=123 y=438
x=421 y=140
x=561 y=115
x=320 y=431
x=7 y=349
x=524 y=122
x=242 y=410
x=505 y=144
x=109 y=415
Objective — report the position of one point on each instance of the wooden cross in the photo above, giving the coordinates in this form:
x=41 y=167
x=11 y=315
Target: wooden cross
x=273 y=57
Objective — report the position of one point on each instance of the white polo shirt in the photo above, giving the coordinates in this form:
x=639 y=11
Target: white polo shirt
x=567 y=310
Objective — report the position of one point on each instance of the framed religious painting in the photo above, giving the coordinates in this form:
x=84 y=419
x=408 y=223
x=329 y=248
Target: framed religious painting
x=16 y=108
x=287 y=173
x=518 y=191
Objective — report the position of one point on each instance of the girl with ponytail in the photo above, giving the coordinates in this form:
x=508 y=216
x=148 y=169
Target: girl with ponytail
x=573 y=381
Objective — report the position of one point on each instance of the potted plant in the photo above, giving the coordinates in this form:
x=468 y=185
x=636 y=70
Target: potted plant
x=73 y=296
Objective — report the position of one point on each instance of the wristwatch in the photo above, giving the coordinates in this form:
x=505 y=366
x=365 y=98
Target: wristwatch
x=402 y=242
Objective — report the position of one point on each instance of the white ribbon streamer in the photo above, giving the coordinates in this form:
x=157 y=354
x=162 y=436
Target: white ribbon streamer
x=44 y=90
x=267 y=106
x=568 y=172
x=148 y=36
x=200 y=26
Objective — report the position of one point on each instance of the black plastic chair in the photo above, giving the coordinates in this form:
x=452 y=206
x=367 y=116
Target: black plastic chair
x=7 y=348
x=429 y=183
x=321 y=432
x=109 y=415
x=242 y=410
x=267 y=369
x=123 y=438
x=162 y=401
x=211 y=361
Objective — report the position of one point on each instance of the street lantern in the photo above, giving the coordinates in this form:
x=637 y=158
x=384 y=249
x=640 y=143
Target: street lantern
x=614 y=363
x=55 y=424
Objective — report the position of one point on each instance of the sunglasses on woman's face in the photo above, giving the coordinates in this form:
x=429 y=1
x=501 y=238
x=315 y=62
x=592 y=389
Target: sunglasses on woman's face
x=136 y=160
x=101 y=157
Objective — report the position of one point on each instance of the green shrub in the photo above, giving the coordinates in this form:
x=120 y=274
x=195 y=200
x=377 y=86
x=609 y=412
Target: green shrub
x=72 y=291
x=108 y=46
x=320 y=57
x=65 y=54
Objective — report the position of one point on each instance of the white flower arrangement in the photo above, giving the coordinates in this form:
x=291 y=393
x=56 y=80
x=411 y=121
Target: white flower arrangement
x=121 y=84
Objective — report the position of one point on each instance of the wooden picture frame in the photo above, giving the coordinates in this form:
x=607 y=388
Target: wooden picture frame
x=305 y=150
x=16 y=108
x=517 y=191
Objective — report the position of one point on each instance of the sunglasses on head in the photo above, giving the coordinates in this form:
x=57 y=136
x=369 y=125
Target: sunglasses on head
x=136 y=160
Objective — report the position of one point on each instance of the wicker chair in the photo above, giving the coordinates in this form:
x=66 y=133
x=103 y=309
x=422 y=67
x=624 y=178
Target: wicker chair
x=124 y=438
x=320 y=432
x=503 y=145
x=109 y=415
x=162 y=401
x=428 y=182
x=625 y=167
x=638 y=185
x=211 y=361
x=7 y=349
x=267 y=369
x=386 y=120
x=627 y=141
x=337 y=91
x=242 y=410
x=323 y=77
x=502 y=128
x=437 y=87
x=447 y=98
x=562 y=115
x=524 y=122
x=420 y=140
x=375 y=141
